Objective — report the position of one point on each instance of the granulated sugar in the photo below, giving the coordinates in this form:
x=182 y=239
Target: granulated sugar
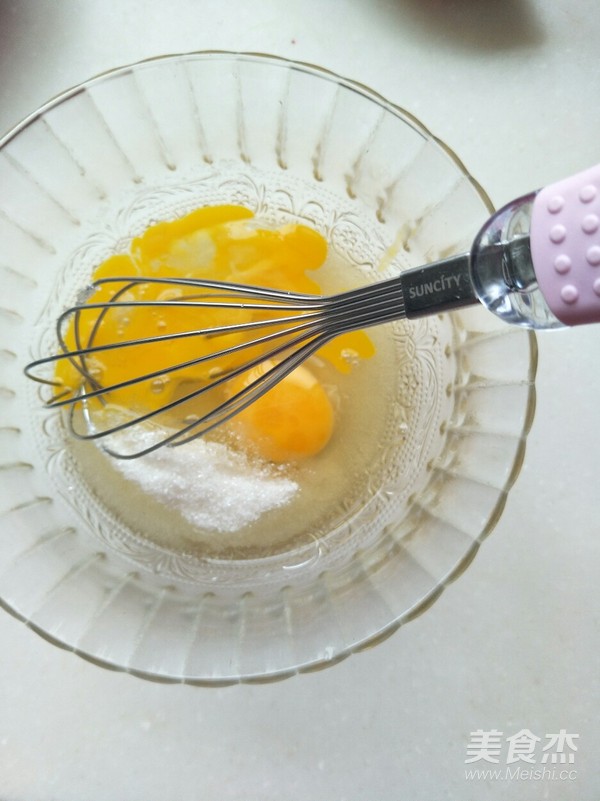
x=208 y=483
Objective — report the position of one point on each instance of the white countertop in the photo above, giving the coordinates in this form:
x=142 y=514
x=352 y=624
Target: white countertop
x=513 y=87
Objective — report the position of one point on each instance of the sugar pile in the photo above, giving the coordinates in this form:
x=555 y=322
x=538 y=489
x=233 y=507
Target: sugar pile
x=208 y=483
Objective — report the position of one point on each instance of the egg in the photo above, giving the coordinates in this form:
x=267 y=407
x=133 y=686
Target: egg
x=292 y=421
x=295 y=419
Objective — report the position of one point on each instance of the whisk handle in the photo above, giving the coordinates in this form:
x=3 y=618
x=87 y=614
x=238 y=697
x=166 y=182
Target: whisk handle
x=536 y=262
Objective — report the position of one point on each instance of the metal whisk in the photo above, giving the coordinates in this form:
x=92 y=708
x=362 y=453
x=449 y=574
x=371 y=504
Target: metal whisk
x=291 y=327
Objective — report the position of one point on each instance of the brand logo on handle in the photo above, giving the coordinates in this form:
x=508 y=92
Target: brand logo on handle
x=441 y=284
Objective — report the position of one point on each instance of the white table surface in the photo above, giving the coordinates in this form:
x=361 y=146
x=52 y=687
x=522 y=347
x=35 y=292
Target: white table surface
x=514 y=88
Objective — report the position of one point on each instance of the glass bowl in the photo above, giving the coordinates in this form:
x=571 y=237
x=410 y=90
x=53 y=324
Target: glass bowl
x=97 y=165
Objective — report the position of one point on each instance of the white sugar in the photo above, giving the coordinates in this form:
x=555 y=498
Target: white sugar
x=208 y=483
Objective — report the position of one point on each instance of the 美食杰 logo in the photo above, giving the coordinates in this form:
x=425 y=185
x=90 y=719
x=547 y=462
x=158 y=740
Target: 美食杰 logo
x=523 y=755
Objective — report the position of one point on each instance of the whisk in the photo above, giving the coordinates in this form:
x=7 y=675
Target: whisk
x=535 y=263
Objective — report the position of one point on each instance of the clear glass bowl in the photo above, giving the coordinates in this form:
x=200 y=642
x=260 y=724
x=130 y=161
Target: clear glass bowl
x=95 y=166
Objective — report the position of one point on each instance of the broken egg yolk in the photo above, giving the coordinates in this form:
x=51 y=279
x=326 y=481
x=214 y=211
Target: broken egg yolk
x=295 y=418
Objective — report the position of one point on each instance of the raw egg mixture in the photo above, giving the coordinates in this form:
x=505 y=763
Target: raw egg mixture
x=296 y=460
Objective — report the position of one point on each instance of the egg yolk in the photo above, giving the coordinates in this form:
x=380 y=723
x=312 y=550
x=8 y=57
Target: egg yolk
x=295 y=418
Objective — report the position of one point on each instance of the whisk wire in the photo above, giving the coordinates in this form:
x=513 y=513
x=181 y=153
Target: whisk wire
x=303 y=323
x=227 y=409
x=197 y=393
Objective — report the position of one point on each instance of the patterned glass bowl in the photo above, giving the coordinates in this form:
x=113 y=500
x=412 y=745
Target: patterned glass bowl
x=95 y=166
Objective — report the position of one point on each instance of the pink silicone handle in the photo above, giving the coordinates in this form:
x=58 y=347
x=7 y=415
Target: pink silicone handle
x=565 y=246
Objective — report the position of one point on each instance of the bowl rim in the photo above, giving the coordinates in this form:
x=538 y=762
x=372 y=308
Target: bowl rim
x=529 y=412
x=248 y=55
